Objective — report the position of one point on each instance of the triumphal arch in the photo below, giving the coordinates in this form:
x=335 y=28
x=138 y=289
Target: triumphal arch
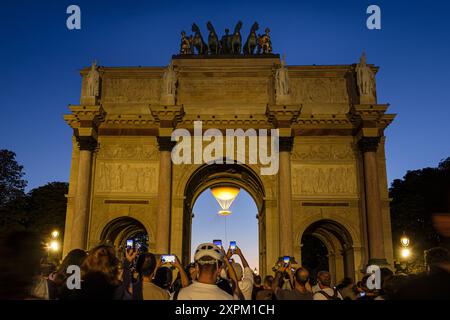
x=331 y=181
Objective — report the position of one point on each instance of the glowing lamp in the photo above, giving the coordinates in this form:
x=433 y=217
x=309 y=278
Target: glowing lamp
x=54 y=246
x=404 y=241
x=55 y=234
x=405 y=253
x=225 y=196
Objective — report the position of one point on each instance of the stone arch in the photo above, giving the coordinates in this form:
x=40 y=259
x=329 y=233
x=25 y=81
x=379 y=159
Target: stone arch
x=339 y=243
x=209 y=175
x=118 y=230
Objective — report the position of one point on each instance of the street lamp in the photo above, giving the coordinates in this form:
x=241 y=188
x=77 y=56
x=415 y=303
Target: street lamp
x=55 y=234
x=405 y=253
x=54 y=246
x=404 y=241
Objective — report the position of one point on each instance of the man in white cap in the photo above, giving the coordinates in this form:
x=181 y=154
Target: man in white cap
x=209 y=261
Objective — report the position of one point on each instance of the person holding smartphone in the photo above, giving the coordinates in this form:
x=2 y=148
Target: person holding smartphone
x=244 y=273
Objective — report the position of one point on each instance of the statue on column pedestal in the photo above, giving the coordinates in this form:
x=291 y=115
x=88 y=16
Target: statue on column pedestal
x=366 y=81
x=169 y=86
x=93 y=85
x=282 y=83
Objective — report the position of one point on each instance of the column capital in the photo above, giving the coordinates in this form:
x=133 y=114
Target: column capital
x=368 y=144
x=286 y=144
x=86 y=143
x=165 y=143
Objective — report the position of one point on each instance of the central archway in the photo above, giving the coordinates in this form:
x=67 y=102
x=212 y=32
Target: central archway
x=235 y=174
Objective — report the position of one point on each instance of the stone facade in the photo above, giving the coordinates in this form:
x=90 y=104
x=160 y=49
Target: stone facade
x=331 y=182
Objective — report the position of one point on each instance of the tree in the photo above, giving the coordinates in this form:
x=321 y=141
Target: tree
x=12 y=185
x=46 y=206
x=415 y=198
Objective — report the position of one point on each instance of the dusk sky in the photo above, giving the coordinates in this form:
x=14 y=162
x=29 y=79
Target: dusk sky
x=41 y=60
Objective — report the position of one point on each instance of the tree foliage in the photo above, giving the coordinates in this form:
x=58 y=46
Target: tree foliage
x=415 y=198
x=41 y=210
x=12 y=184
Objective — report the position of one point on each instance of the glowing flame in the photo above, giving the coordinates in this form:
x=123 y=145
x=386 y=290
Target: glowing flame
x=225 y=197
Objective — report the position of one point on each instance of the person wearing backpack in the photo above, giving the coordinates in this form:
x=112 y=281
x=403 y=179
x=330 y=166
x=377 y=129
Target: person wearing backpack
x=326 y=292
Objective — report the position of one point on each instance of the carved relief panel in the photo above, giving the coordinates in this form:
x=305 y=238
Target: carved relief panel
x=319 y=90
x=131 y=90
x=332 y=180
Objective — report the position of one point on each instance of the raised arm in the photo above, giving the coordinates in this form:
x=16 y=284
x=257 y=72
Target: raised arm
x=184 y=278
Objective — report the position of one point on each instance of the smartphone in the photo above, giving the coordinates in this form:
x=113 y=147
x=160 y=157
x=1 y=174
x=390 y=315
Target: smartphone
x=286 y=259
x=130 y=244
x=233 y=245
x=218 y=242
x=168 y=258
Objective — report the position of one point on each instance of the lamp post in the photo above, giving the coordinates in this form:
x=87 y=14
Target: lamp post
x=54 y=245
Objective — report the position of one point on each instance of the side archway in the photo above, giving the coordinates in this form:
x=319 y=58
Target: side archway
x=119 y=230
x=339 y=247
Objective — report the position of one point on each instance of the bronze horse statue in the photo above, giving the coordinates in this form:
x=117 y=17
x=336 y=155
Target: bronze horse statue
x=197 y=41
x=236 y=39
x=213 y=40
x=252 y=40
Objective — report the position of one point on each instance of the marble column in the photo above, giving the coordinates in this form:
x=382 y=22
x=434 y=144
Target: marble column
x=164 y=195
x=80 y=219
x=368 y=147
x=285 y=197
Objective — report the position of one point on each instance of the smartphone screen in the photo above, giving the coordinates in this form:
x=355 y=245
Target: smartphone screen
x=168 y=258
x=233 y=245
x=286 y=259
x=129 y=243
x=218 y=242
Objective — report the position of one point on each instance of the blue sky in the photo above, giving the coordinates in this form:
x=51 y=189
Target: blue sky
x=41 y=58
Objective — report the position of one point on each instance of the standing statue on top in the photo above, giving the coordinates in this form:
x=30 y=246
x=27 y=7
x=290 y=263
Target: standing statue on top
x=186 y=44
x=213 y=40
x=366 y=81
x=93 y=81
x=169 y=86
x=197 y=41
x=236 y=40
x=282 y=82
x=225 y=42
x=264 y=43
x=252 y=40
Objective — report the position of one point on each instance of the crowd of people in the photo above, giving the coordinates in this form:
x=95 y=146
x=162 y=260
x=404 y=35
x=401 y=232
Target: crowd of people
x=214 y=275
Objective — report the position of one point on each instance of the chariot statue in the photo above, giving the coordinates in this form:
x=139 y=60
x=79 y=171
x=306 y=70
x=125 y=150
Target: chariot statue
x=197 y=41
x=213 y=40
x=264 y=42
x=225 y=42
x=236 y=40
x=252 y=40
x=186 y=44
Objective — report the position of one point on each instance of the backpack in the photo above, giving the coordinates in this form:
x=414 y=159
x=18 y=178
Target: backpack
x=333 y=297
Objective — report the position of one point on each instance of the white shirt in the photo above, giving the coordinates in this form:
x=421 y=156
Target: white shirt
x=246 y=284
x=203 y=291
x=329 y=291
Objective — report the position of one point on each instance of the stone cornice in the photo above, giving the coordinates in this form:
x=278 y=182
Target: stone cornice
x=167 y=116
x=371 y=116
x=283 y=115
x=85 y=116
